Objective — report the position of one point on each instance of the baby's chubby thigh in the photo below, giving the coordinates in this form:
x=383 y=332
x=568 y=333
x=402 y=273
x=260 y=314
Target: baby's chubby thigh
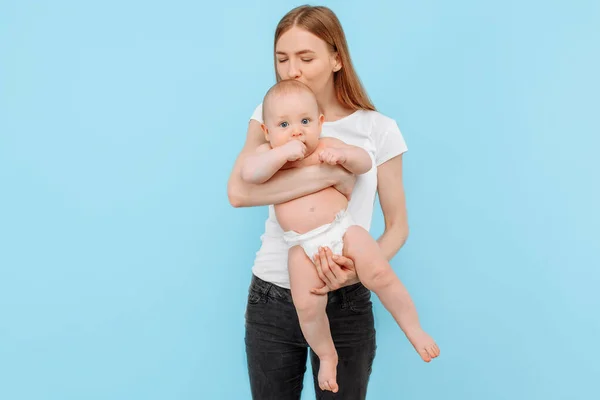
x=304 y=278
x=371 y=265
x=358 y=242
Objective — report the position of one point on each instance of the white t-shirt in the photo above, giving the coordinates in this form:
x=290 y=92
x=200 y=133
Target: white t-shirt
x=381 y=138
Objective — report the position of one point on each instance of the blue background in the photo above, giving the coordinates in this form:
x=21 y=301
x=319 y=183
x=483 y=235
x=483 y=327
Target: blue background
x=124 y=270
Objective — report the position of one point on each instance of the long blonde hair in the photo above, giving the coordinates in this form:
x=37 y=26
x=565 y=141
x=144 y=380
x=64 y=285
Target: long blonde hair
x=323 y=23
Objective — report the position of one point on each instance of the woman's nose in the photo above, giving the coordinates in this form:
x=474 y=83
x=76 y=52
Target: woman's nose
x=293 y=71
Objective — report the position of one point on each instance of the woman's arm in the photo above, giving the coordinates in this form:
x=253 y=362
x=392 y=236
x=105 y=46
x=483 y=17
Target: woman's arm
x=393 y=205
x=284 y=185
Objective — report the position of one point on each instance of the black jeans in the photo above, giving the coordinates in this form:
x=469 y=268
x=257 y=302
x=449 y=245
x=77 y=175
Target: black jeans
x=276 y=350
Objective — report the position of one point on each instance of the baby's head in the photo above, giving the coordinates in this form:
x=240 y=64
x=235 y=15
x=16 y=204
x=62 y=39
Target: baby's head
x=290 y=111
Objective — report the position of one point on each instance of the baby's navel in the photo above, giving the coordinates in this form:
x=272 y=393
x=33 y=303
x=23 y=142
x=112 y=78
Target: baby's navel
x=312 y=209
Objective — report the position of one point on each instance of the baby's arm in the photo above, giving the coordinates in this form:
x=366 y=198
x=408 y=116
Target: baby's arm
x=353 y=158
x=261 y=166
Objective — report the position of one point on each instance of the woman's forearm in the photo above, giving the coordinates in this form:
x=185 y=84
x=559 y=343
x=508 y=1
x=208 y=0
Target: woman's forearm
x=393 y=205
x=286 y=185
x=392 y=240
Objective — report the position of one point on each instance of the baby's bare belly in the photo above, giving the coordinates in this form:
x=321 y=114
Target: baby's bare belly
x=309 y=212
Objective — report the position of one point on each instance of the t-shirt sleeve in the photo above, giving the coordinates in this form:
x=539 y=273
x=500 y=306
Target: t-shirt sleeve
x=388 y=140
x=257 y=115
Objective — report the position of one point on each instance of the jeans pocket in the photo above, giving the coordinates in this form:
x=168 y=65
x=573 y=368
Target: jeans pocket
x=254 y=297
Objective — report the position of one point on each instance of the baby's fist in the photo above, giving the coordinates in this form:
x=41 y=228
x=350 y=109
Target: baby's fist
x=295 y=150
x=332 y=156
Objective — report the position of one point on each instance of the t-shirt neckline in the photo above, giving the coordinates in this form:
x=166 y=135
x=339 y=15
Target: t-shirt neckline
x=341 y=119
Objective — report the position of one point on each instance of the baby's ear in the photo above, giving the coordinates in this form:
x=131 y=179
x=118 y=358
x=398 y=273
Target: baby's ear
x=265 y=131
x=321 y=119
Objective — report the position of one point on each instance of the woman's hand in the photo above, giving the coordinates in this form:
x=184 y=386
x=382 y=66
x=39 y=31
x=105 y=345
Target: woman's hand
x=335 y=271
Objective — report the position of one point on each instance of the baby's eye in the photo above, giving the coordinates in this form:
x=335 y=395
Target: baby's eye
x=283 y=124
x=305 y=121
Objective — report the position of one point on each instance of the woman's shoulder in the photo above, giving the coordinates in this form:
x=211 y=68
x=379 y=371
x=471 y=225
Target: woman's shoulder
x=257 y=114
x=385 y=135
x=378 y=122
x=378 y=117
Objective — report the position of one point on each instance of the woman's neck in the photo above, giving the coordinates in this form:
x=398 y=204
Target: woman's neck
x=331 y=107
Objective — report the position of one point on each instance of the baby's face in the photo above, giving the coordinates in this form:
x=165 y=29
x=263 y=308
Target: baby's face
x=293 y=116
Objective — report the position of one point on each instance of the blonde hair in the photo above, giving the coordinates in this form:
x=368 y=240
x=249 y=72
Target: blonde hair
x=323 y=23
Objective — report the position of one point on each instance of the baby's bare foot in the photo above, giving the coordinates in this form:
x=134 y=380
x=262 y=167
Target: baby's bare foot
x=423 y=344
x=327 y=373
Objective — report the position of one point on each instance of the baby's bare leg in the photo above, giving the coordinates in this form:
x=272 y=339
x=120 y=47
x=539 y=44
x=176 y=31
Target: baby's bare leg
x=375 y=272
x=312 y=316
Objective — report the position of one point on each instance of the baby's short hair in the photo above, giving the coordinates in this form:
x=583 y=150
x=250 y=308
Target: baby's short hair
x=283 y=87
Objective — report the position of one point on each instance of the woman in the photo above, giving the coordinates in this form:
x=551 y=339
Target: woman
x=310 y=46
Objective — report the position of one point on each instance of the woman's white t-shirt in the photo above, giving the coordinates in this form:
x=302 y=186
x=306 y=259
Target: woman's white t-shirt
x=381 y=138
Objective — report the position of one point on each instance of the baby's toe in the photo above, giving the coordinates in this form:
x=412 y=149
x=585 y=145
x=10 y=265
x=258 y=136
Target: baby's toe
x=334 y=387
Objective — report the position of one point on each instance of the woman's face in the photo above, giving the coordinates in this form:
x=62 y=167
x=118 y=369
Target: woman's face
x=303 y=56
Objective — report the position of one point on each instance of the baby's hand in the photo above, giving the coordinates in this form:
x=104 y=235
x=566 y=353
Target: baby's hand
x=295 y=150
x=332 y=156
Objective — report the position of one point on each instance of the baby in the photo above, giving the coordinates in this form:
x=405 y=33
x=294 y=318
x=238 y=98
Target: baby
x=292 y=126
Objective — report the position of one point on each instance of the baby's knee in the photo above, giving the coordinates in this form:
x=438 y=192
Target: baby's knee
x=377 y=277
x=308 y=305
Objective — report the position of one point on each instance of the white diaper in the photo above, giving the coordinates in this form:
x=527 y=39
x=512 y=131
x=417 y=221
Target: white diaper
x=330 y=235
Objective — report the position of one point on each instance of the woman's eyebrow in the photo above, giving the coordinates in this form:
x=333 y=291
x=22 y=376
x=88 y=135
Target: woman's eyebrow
x=297 y=53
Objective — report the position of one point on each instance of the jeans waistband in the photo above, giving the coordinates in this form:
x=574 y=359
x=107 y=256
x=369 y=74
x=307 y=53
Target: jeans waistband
x=271 y=290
